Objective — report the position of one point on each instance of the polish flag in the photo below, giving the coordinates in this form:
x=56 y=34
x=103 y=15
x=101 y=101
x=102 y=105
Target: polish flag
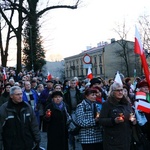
x=118 y=78
x=89 y=75
x=140 y=95
x=138 y=49
x=4 y=74
x=143 y=106
x=49 y=76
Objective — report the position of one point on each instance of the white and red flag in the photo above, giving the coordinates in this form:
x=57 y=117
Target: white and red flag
x=4 y=74
x=89 y=75
x=143 y=106
x=49 y=76
x=138 y=49
x=118 y=78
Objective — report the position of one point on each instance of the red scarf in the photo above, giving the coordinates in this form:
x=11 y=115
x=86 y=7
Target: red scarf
x=99 y=99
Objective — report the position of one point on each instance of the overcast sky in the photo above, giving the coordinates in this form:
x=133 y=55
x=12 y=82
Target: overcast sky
x=67 y=32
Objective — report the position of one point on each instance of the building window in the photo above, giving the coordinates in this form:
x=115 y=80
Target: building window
x=95 y=61
x=77 y=72
x=77 y=62
x=67 y=73
x=100 y=58
x=70 y=73
x=70 y=63
x=87 y=71
x=96 y=71
x=74 y=73
x=101 y=70
x=82 y=72
x=81 y=61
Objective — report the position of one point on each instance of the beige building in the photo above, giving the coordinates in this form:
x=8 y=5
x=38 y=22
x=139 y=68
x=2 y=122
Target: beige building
x=105 y=60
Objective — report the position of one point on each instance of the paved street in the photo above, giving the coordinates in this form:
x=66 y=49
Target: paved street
x=44 y=142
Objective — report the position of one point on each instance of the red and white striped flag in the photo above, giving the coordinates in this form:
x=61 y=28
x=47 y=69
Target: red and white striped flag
x=138 y=49
x=4 y=74
x=143 y=106
x=89 y=75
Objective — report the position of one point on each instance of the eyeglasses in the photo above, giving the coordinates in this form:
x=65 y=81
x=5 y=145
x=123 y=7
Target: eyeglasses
x=119 y=90
x=18 y=94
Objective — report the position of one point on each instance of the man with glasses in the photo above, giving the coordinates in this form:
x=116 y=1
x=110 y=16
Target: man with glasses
x=19 y=128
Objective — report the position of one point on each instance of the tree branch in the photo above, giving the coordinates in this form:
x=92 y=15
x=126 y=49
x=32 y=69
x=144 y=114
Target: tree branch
x=6 y=19
x=58 y=6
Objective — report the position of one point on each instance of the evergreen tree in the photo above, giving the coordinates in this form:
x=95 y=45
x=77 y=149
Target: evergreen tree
x=33 y=52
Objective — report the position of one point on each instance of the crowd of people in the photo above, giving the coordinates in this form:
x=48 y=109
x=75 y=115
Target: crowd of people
x=108 y=112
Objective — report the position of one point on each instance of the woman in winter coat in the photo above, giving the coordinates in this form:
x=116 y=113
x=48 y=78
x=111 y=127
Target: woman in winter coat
x=117 y=118
x=87 y=118
x=56 y=118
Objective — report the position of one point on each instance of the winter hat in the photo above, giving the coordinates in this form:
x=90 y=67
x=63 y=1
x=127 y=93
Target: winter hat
x=49 y=81
x=142 y=84
x=94 y=81
x=57 y=93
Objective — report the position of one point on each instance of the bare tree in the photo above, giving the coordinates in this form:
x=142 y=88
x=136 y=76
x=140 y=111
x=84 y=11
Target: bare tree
x=27 y=10
x=144 y=25
x=126 y=51
x=4 y=50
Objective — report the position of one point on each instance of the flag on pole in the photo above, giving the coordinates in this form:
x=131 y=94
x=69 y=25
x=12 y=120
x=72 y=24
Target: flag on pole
x=4 y=74
x=89 y=75
x=138 y=49
x=118 y=78
x=49 y=76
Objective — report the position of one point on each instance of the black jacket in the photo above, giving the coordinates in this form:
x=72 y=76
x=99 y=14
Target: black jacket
x=116 y=136
x=18 y=126
x=67 y=97
x=57 y=133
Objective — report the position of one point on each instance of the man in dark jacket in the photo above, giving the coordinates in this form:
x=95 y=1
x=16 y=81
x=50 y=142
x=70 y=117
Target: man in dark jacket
x=19 y=128
x=72 y=97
